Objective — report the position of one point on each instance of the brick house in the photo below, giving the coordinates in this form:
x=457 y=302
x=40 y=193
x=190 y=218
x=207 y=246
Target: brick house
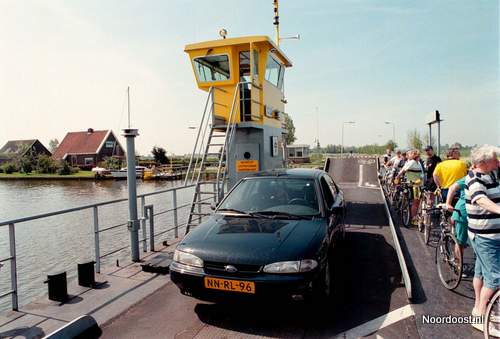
x=19 y=148
x=87 y=149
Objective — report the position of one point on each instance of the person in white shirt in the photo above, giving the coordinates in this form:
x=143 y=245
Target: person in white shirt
x=415 y=174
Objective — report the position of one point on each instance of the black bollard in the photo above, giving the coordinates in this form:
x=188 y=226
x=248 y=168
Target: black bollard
x=86 y=275
x=58 y=287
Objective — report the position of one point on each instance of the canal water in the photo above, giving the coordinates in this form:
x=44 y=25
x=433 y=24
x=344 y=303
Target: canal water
x=58 y=243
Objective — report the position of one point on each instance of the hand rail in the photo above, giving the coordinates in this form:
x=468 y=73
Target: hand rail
x=147 y=216
x=210 y=94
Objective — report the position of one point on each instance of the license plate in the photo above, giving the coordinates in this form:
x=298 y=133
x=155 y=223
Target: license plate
x=230 y=285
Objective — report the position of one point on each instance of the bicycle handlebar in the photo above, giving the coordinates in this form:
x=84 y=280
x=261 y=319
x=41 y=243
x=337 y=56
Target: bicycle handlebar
x=440 y=208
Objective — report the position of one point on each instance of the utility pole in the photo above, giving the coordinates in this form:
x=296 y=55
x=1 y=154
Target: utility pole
x=133 y=222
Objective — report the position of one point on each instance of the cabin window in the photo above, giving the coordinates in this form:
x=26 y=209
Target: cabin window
x=212 y=68
x=245 y=66
x=255 y=65
x=273 y=70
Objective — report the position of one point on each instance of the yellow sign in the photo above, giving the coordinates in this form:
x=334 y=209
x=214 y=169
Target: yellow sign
x=247 y=165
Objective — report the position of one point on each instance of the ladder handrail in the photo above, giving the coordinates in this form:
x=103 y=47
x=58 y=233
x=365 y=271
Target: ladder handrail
x=229 y=135
x=210 y=94
x=203 y=148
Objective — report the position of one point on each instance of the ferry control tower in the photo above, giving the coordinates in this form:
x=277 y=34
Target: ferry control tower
x=241 y=131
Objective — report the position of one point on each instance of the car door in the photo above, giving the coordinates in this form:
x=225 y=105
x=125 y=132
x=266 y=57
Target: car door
x=329 y=202
x=338 y=208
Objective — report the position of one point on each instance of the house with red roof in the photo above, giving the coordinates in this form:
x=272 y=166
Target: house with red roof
x=87 y=149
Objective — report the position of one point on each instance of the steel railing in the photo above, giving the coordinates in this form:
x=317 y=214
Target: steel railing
x=148 y=215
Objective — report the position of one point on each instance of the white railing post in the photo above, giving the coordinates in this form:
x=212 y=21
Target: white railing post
x=96 y=240
x=143 y=225
x=176 y=224
x=13 y=266
x=151 y=215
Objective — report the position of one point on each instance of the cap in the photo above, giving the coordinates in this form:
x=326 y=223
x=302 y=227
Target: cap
x=428 y=148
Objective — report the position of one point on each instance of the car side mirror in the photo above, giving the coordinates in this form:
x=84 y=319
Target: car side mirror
x=337 y=210
x=213 y=206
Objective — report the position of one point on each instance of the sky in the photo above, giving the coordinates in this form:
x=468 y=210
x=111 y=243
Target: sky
x=65 y=66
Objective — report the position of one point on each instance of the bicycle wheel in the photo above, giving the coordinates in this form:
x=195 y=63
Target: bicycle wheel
x=427 y=228
x=492 y=315
x=449 y=266
x=421 y=214
x=405 y=210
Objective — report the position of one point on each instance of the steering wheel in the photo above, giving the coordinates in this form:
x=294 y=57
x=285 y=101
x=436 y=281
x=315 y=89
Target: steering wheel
x=298 y=201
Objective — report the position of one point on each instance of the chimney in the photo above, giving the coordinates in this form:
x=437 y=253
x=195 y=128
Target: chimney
x=90 y=131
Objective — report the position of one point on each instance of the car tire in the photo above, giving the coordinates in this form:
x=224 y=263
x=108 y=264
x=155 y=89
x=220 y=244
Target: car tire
x=321 y=288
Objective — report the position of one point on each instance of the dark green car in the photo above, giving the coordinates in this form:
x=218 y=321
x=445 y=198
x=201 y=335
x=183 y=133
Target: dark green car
x=271 y=236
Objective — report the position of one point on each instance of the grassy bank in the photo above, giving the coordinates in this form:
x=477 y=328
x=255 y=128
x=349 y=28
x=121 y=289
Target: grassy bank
x=34 y=175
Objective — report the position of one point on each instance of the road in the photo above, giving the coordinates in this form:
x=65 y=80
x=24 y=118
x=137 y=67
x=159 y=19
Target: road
x=372 y=303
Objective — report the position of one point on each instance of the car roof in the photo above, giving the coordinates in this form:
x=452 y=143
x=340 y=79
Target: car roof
x=311 y=173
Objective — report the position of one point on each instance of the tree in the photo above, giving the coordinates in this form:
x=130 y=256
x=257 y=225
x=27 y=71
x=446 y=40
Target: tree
x=26 y=164
x=111 y=163
x=25 y=159
x=53 y=144
x=160 y=155
x=45 y=164
x=415 y=139
x=289 y=130
x=391 y=145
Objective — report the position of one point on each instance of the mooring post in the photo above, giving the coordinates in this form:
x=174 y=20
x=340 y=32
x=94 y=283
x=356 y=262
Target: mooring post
x=133 y=222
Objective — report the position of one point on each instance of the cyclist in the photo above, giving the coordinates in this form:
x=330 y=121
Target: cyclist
x=482 y=194
x=449 y=171
x=430 y=165
x=458 y=219
x=415 y=175
x=387 y=156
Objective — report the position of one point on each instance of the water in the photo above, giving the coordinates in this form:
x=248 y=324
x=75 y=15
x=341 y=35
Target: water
x=58 y=243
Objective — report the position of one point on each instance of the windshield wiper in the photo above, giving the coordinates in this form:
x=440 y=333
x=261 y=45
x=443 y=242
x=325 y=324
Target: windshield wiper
x=234 y=211
x=284 y=215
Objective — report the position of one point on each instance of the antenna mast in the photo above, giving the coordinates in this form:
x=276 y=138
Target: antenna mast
x=128 y=105
x=277 y=22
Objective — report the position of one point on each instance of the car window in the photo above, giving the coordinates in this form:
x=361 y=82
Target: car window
x=327 y=192
x=288 y=195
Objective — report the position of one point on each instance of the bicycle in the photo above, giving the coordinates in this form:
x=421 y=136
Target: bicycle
x=425 y=215
x=492 y=315
x=406 y=198
x=449 y=262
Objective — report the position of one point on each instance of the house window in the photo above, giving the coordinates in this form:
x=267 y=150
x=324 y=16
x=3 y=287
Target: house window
x=212 y=68
x=299 y=154
x=110 y=144
x=89 y=161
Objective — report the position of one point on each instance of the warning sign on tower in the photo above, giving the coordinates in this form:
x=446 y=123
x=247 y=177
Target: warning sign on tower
x=247 y=165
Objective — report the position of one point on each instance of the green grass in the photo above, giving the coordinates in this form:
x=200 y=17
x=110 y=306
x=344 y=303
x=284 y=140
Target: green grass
x=35 y=175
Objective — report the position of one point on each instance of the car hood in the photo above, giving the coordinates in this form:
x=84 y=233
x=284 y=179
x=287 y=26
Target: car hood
x=242 y=240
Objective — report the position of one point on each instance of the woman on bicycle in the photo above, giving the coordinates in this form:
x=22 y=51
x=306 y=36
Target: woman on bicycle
x=482 y=194
x=458 y=219
x=415 y=174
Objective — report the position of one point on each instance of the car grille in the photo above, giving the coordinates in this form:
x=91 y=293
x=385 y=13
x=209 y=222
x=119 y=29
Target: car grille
x=219 y=268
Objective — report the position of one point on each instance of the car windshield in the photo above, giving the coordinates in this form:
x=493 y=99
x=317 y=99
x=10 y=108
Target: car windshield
x=278 y=197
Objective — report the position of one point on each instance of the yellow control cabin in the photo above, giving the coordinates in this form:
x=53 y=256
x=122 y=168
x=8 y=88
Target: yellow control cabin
x=253 y=62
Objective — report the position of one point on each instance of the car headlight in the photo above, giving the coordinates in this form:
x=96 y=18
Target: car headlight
x=187 y=259
x=291 y=266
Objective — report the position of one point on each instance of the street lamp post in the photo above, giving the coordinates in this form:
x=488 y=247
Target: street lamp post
x=342 y=148
x=393 y=129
